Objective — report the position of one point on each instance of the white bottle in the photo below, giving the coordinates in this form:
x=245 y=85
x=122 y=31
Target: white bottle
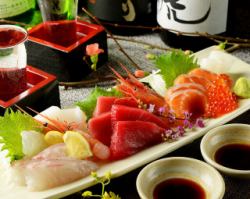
x=190 y=16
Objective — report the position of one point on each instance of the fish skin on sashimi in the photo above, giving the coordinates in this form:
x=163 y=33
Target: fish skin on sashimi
x=100 y=128
x=130 y=137
x=125 y=113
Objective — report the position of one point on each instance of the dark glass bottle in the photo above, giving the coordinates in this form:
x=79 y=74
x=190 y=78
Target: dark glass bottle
x=189 y=17
x=125 y=13
x=238 y=19
x=17 y=10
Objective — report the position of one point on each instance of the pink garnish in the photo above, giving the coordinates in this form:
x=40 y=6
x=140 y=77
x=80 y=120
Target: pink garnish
x=139 y=73
x=161 y=110
x=200 y=123
x=93 y=49
x=151 y=108
x=171 y=117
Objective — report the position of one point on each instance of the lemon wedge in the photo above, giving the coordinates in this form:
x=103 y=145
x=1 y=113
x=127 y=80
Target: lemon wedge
x=76 y=145
x=53 y=137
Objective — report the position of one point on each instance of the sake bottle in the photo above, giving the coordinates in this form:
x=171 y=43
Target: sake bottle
x=124 y=13
x=191 y=16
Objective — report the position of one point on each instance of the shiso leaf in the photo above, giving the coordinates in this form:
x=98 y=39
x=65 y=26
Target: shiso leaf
x=11 y=126
x=173 y=64
x=88 y=104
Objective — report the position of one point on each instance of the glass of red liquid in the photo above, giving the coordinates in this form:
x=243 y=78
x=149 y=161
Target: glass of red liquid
x=13 y=61
x=59 y=17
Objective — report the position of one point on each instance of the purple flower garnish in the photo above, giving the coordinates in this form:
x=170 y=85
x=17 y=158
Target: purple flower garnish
x=171 y=117
x=180 y=130
x=151 y=108
x=169 y=132
x=187 y=115
x=175 y=136
x=188 y=124
x=161 y=110
x=199 y=123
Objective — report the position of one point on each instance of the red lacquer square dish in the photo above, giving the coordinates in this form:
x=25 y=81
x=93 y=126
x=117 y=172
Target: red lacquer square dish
x=65 y=59
x=42 y=92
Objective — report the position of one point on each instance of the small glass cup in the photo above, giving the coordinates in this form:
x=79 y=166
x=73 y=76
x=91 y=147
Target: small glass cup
x=59 y=17
x=13 y=60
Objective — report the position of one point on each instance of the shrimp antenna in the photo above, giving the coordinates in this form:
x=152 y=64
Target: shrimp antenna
x=120 y=78
x=125 y=68
x=21 y=109
x=55 y=124
x=131 y=76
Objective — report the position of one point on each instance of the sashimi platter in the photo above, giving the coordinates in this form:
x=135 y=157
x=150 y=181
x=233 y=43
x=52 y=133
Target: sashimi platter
x=142 y=118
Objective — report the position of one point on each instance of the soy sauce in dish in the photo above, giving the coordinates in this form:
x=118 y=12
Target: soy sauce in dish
x=179 y=188
x=235 y=156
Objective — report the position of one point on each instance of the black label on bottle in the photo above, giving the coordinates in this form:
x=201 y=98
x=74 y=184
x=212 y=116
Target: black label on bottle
x=193 y=15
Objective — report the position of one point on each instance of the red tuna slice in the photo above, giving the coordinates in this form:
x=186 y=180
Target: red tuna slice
x=125 y=113
x=130 y=137
x=127 y=101
x=100 y=128
x=103 y=105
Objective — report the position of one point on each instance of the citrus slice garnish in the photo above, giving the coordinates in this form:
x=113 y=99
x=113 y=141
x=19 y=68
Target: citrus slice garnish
x=76 y=145
x=53 y=137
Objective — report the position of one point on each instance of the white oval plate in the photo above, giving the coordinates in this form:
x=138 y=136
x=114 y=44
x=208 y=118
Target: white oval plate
x=235 y=67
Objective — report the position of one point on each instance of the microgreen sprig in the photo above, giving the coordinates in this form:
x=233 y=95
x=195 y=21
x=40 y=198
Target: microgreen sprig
x=104 y=181
x=179 y=131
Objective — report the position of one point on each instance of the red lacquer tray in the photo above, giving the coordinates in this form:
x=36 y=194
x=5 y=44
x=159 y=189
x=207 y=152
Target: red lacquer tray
x=65 y=62
x=39 y=84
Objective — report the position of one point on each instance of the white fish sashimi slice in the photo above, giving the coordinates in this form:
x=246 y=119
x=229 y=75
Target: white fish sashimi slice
x=39 y=175
x=56 y=151
x=45 y=174
x=16 y=172
x=33 y=142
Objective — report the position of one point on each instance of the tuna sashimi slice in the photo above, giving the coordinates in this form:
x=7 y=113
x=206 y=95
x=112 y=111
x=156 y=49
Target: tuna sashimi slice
x=129 y=137
x=125 y=113
x=103 y=105
x=100 y=128
x=127 y=101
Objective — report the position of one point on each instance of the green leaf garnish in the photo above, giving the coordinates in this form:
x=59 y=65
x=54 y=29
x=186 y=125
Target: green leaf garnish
x=11 y=126
x=173 y=64
x=88 y=104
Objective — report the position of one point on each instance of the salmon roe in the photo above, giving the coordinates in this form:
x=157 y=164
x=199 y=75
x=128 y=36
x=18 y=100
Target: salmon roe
x=220 y=98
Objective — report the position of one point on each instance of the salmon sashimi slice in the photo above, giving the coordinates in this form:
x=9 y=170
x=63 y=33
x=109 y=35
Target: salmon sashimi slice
x=187 y=101
x=185 y=86
x=204 y=73
x=188 y=78
x=211 y=76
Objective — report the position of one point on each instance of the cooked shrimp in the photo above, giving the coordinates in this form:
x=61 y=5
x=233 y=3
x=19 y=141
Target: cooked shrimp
x=133 y=88
x=100 y=150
